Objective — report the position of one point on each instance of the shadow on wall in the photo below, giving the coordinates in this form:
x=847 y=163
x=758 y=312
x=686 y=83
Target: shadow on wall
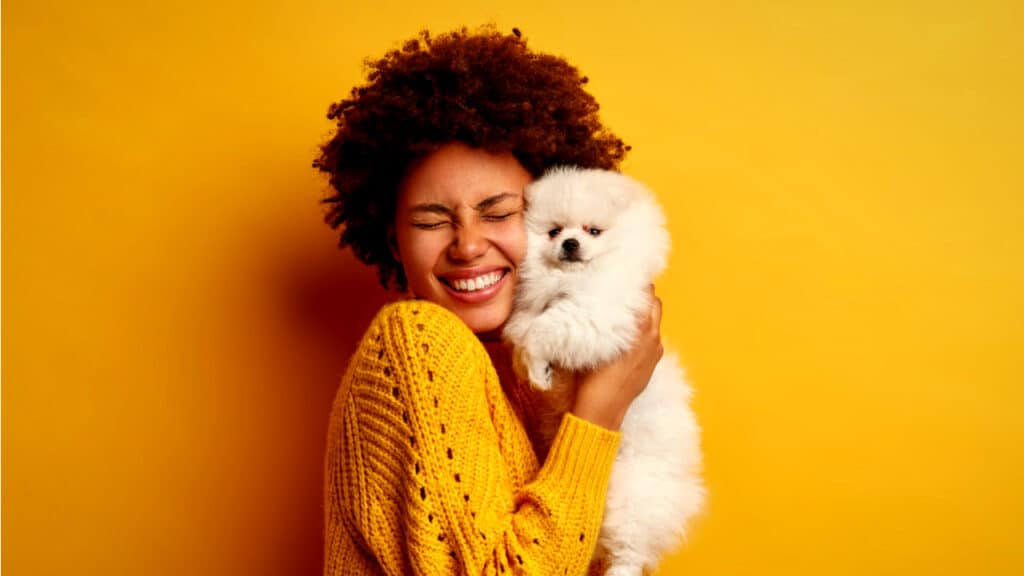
x=329 y=300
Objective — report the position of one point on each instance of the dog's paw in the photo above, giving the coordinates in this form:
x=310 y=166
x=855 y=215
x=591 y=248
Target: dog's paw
x=521 y=363
x=533 y=368
x=536 y=370
x=540 y=374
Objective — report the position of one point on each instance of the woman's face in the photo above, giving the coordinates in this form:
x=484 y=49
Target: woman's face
x=459 y=232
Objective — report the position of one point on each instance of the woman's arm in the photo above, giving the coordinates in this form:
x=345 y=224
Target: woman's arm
x=604 y=395
x=430 y=460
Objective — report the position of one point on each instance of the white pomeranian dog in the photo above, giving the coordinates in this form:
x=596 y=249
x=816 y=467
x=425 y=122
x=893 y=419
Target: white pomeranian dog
x=596 y=240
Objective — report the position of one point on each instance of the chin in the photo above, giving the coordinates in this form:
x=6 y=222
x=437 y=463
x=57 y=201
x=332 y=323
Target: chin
x=596 y=240
x=484 y=316
x=484 y=321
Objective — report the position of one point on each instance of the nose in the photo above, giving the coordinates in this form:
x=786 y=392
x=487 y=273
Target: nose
x=571 y=245
x=468 y=243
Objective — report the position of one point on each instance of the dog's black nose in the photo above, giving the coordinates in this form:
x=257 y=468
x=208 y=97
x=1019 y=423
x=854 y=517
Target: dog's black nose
x=570 y=245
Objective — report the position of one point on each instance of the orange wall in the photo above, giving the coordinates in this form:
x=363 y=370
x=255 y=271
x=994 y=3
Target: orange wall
x=844 y=186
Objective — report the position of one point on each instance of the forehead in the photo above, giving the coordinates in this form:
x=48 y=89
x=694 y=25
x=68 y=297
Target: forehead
x=456 y=174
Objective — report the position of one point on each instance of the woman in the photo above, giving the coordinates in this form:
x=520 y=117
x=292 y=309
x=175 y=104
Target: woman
x=433 y=465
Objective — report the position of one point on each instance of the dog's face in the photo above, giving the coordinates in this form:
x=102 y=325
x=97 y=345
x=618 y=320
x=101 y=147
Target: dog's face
x=578 y=217
x=572 y=241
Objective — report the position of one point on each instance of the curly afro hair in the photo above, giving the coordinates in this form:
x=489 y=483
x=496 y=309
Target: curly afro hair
x=482 y=88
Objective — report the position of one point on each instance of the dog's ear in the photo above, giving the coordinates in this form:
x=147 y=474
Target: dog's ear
x=528 y=192
x=621 y=193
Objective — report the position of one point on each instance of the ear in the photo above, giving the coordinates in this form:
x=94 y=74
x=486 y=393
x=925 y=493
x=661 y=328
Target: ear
x=393 y=244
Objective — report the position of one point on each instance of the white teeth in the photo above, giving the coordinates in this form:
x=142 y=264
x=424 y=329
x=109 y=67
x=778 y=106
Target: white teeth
x=474 y=284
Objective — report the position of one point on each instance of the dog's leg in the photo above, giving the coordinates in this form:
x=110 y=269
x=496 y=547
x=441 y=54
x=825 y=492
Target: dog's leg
x=532 y=365
x=575 y=338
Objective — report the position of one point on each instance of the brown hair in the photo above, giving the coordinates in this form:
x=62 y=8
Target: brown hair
x=481 y=88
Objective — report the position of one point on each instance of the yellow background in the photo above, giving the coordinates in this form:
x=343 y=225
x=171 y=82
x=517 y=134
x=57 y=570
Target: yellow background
x=844 y=185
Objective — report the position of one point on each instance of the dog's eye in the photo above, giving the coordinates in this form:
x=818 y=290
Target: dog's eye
x=554 y=232
x=594 y=231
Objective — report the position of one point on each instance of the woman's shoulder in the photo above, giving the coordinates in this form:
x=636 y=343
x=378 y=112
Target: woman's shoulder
x=412 y=321
x=418 y=358
x=419 y=330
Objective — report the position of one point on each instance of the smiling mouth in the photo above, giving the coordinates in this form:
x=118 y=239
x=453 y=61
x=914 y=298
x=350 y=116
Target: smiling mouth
x=476 y=283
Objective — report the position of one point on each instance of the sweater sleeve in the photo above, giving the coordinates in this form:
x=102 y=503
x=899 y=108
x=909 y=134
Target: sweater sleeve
x=438 y=481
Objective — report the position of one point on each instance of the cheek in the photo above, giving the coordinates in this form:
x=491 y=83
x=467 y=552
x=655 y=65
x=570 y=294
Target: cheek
x=418 y=253
x=553 y=247
x=541 y=246
x=513 y=243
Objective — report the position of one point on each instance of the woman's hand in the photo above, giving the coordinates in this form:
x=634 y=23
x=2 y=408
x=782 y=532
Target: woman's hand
x=603 y=395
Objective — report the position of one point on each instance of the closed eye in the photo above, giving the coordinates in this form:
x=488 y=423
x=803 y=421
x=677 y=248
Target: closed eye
x=429 y=225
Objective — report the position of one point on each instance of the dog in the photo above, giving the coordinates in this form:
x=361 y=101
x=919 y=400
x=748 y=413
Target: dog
x=595 y=241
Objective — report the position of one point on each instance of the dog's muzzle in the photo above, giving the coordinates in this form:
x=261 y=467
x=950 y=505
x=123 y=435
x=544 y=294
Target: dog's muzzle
x=570 y=250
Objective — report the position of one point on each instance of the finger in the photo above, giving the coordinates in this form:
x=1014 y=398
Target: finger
x=649 y=323
x=656 y=314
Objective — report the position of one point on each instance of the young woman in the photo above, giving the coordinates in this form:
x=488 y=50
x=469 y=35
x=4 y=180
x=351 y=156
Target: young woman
x=433 y=465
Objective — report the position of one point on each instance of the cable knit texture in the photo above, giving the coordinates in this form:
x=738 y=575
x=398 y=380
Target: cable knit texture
x=430 y=469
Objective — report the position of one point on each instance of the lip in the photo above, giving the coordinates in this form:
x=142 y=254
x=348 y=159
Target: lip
x=479 y=295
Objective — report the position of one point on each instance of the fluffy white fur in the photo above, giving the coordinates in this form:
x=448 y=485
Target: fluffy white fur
x=577 y=308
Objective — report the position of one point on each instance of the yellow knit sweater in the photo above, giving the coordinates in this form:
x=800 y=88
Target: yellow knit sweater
x=430 y=468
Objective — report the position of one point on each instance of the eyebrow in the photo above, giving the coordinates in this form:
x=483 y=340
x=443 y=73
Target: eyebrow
x=483 y=205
